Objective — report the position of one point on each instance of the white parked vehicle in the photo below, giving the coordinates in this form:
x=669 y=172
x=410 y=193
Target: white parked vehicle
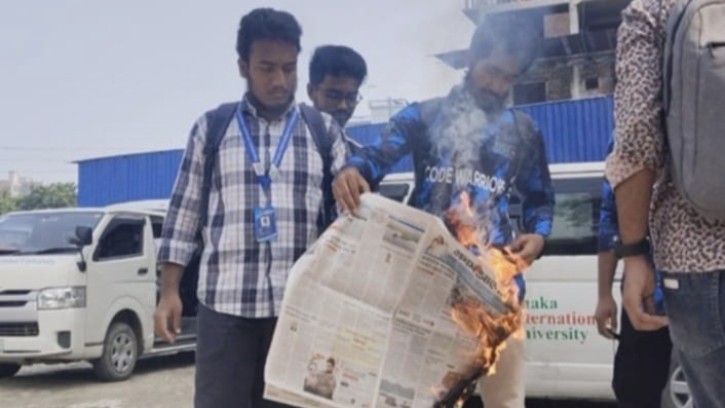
x=566 y=358
x=57 y=305
x=81 y=284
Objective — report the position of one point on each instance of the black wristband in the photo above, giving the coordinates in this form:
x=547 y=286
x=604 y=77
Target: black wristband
x=641 y=247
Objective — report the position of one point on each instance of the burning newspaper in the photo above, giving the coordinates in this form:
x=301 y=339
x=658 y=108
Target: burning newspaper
x=388 y=309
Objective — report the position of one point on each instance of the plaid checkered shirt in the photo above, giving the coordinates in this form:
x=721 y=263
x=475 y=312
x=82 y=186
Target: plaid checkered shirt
x=238 y=275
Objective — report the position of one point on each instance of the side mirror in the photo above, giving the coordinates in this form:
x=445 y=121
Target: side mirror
x=84 y=237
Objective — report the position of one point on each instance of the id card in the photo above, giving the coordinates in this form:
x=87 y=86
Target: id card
x=265 y=224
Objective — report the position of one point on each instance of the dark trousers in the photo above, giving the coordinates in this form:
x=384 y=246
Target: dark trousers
x=641 y=366
x=230 y=355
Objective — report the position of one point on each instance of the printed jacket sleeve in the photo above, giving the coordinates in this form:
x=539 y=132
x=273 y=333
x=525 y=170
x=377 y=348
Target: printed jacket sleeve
x=374 y=161
x=608 y=225
x=178 y=235
x=608 y=228
x=534 y=184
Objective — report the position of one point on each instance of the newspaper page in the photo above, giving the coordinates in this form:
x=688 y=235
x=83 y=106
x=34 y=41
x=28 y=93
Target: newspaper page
x=366 y=318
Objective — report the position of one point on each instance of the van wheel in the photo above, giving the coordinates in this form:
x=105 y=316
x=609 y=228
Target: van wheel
x=677 y=393
x=120 y=353
x=8 y=370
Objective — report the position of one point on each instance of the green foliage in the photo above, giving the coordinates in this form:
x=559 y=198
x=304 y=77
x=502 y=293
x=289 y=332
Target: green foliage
x=56 y=195
x=7 y=203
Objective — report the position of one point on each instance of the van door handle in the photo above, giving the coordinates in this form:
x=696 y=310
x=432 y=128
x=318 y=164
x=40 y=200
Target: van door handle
x=143 y=271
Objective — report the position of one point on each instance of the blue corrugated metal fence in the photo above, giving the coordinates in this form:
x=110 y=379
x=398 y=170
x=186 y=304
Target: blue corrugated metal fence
x=574 y=131
x=117 y=179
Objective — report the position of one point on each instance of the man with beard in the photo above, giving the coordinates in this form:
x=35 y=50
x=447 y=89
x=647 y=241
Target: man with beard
x=468 y=148
x=336 y=73
x=251 y=186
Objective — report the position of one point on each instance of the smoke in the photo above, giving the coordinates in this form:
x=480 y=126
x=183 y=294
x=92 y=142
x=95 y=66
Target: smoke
x=459 y=128
x=458 y=137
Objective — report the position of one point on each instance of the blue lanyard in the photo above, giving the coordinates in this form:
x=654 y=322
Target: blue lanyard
x=263 y=176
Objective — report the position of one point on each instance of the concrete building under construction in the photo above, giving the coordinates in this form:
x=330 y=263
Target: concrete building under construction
x=578 y=54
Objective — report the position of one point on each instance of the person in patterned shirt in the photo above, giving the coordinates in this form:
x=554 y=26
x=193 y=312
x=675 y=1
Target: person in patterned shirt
x=689 y=249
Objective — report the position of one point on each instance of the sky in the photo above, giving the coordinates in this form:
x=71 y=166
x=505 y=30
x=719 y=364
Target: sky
x=85 y=78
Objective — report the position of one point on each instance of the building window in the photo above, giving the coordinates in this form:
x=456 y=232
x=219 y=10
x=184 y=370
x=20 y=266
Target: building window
x=529 y=93
x=591 y=84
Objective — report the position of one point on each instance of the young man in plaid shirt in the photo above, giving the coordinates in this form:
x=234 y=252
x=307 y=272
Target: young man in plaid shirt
x=262 y=212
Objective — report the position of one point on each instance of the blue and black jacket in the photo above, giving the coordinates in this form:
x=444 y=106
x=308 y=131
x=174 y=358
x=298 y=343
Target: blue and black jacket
x=463 y=149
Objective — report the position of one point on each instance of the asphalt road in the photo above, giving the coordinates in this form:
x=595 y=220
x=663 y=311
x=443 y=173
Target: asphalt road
x=163 y=382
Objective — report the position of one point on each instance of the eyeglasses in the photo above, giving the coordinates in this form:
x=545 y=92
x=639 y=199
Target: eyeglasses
x=336 y=97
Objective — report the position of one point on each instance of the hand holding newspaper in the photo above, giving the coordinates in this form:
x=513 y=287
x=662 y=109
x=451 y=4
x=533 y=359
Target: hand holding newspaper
x=388 y=309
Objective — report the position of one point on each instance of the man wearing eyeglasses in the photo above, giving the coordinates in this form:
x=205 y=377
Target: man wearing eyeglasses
x=336 y=73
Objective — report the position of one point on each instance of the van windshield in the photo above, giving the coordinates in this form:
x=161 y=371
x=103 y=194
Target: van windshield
x=42 y=232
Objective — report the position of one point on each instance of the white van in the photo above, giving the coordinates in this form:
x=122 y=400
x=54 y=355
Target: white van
x=566 y=357
x=81 y=284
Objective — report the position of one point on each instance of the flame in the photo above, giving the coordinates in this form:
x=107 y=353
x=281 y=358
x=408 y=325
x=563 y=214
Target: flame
x=492 y=330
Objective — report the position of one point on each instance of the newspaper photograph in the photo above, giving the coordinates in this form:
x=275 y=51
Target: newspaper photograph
x=388 y=309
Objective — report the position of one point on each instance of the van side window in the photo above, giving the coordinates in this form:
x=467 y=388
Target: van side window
x=395 y=191
x=576 y=217
x=156 y=224
x=123 y=237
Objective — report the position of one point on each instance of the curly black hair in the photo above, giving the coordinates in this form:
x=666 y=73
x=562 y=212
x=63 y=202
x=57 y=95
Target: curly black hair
x=337 y=60
x=267 y=24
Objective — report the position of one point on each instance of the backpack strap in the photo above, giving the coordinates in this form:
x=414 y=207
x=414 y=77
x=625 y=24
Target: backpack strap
x=218 y=121
x=321 y=136
x=674 y=19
